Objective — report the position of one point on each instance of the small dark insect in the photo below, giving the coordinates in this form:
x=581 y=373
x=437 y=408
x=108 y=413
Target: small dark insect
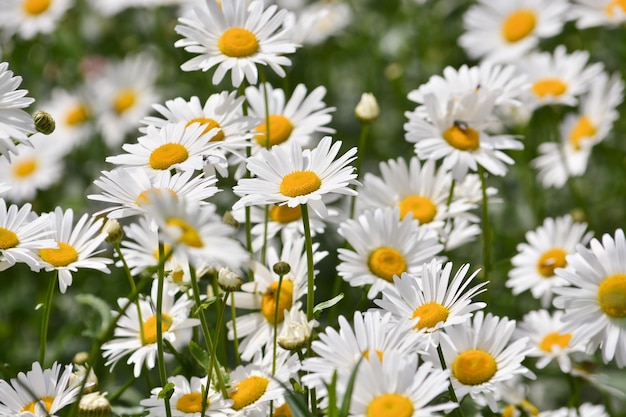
x=461 y=124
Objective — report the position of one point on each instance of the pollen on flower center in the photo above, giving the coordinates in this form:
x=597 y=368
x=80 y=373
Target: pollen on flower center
x=549 y=87
x=124 y=100
x=285 y=214
x=62 y=256
x=612 y=295
x=430 y=314
x=271 y=297
x=248 y=391
x=474 y=367
x=555 y=339
x=35 y=7
x=518 y=25
x=462 y=137
x=167 y=155
x=145 y=197
x=150 y=328
x=188 y=234
x=550 y=260
x=583 y=129
x=8 y=239
x=25 y=168
x=210 y=124
x=238 y=43
x=46 y=401
x=190 y=403
x=423 y=209
x=77 y=115
x=615 y=4
x=300 y=183
x=385 y=262
x=280 y=130
x=390 y=405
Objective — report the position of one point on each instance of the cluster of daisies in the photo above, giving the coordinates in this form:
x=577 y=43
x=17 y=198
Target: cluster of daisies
x=427 y=341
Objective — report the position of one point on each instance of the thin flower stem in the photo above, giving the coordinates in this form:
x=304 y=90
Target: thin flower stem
x=308 y=242
x=159 y=325
x=458 y=411
x=359 y=160
x=275 y=324
x=129 y=383
x=233 y=313
x=486 y=228
x=133 y=287
x=45 y=320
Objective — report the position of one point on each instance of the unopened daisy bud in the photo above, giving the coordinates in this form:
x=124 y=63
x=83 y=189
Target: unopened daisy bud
x=94 y=405
x=228 y=280
x=114 y=231
x=229 y=219
x=44 y=122
x=367 y=111
x=281 y=268
x=80 y=358
x=296 y=331
x=81 y=373
x=578 y=215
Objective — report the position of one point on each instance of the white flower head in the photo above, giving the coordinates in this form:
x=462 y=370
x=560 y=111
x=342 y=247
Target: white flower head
x=15 y=123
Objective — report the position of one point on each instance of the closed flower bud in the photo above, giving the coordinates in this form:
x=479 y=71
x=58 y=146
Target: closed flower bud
x=44 y=122
x=281 y=268
x=81 y=373
x=228 y=280
x=94 y=404
x=296 y=331
x=229 y=219
x=367 y=111
x=114 y=231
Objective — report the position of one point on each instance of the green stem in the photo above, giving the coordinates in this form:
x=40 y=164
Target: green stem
x=486 y=228
x=46 y=317
x=159 y=326
x=129 y=383
x=359 y=159
x=133 y=287
x=233 y=313
x=458 y=411
x=308 y=242
x=275 y=324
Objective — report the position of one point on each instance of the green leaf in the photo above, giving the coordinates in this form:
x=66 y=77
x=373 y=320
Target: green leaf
x=103 y=317
x=327 y=304
x=345 y=405
x=200 y=355
x=167 y=391
x=297 y=403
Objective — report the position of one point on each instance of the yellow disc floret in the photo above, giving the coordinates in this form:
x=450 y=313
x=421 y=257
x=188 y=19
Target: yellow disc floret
x=518 y=25
x=612 y=5
x=238 y=43
x=549 y=87
x=167 y=155
x=550 y=260
x=25 y=168
x=124 y=100
x=271 y=297
x=280 y=130
x=248 y=391
x=285 y=214
x=46 y=401
x=560 y=340
x=462 y=137
x=423 y=209
x=385 y=262
x=190 y=403
x=76 y=115
x=8 y=238
x=390 y=405
x=430 y=314
x=188 y=234
x=583 y=129
x=474 y=367
x=150 y=328
x=35 y=7
x=300 y=183
x=612 y=296
x=210 y=124
x=62 y=256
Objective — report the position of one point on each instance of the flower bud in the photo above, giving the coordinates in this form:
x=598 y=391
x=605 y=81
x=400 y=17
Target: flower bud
x=80 y=358
x=229 y=219
x=114 y=231
x=44 y=122
x=281 y=268
x=296 y=331
x=228 y=280
x=94 y=404
x=367 y=111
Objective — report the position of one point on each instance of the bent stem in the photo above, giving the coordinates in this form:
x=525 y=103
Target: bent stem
x=46 y=317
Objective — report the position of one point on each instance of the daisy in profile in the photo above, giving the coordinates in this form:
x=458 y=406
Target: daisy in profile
x=73 y=117
x=481 y=356
x=396 y=386
x=591 y=13
x=503 y=31
x=27 y=18
x=548 y=339
x=136 y=334
x=434 y=302
x=186 y=400
x=295 y=119
x=39 y=392
x=546 y=248
x=77 y=246
x=15 y=123
x=294 y=176
x=234 y=36
x=595 y=302
x=383 y=246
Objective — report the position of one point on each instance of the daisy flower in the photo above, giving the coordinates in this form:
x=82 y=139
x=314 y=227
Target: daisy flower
x=34 y=168
x=137 y=334
x=27 y=18
x=596 y=300
x=504 y=31
x=545 y=249
x=590 y=13
x=459 y=134
x=557 y=77
x=186 y=400
x=39 y=392
x=257 y=329
x=397 y=386
x=383 y=246
x=480 y=356
x=548 y=339
x=319 y=21
x=22 y=235
x=15 y=123
x=73 y=117
x=584 y=410
x=294 y=176
x=434 y=302
x=235 y=36
x=173 y=146
x=295 y=119
x=128 y=189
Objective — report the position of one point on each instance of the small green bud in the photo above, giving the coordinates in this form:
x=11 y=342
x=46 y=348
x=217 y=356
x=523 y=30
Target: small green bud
x=44 y=122
x=282 y=268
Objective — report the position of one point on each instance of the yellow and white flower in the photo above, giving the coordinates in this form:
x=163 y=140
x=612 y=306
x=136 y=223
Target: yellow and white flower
x=73 y=117
x=15 y=123
x=27 y=18
x=591 y=13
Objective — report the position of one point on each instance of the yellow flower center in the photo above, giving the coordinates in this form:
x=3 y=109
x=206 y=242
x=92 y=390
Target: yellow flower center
x=430 y=314
x=390 y=405
x=248 y=391
x=462 y=137
x=210 y=124
x=271 y=297
x=423 y=208
x=62 y=256
x=518 y=25
x=150 y=328
x=282 y=411
x=25 y=168
x=280 y=130
x=610 y=8
x=124 y=100
x=549 y=87
x=188 y=234
x=144 y=197
x=555 y=338
x=238 y=43
x=177 y=276
x=8 y=239
x=190 y=403
x=530 y=408
x=550 y=260
x=285 y=214
x=76 y=115
x=612 y=296
x=35 y=7
x=167 y=155
x=46 y=401
x=385 y=262
x=509 y=411
x=581 y=130
x=166 y=249
x=474 y=367
x=300 y=183
x=379 y=353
